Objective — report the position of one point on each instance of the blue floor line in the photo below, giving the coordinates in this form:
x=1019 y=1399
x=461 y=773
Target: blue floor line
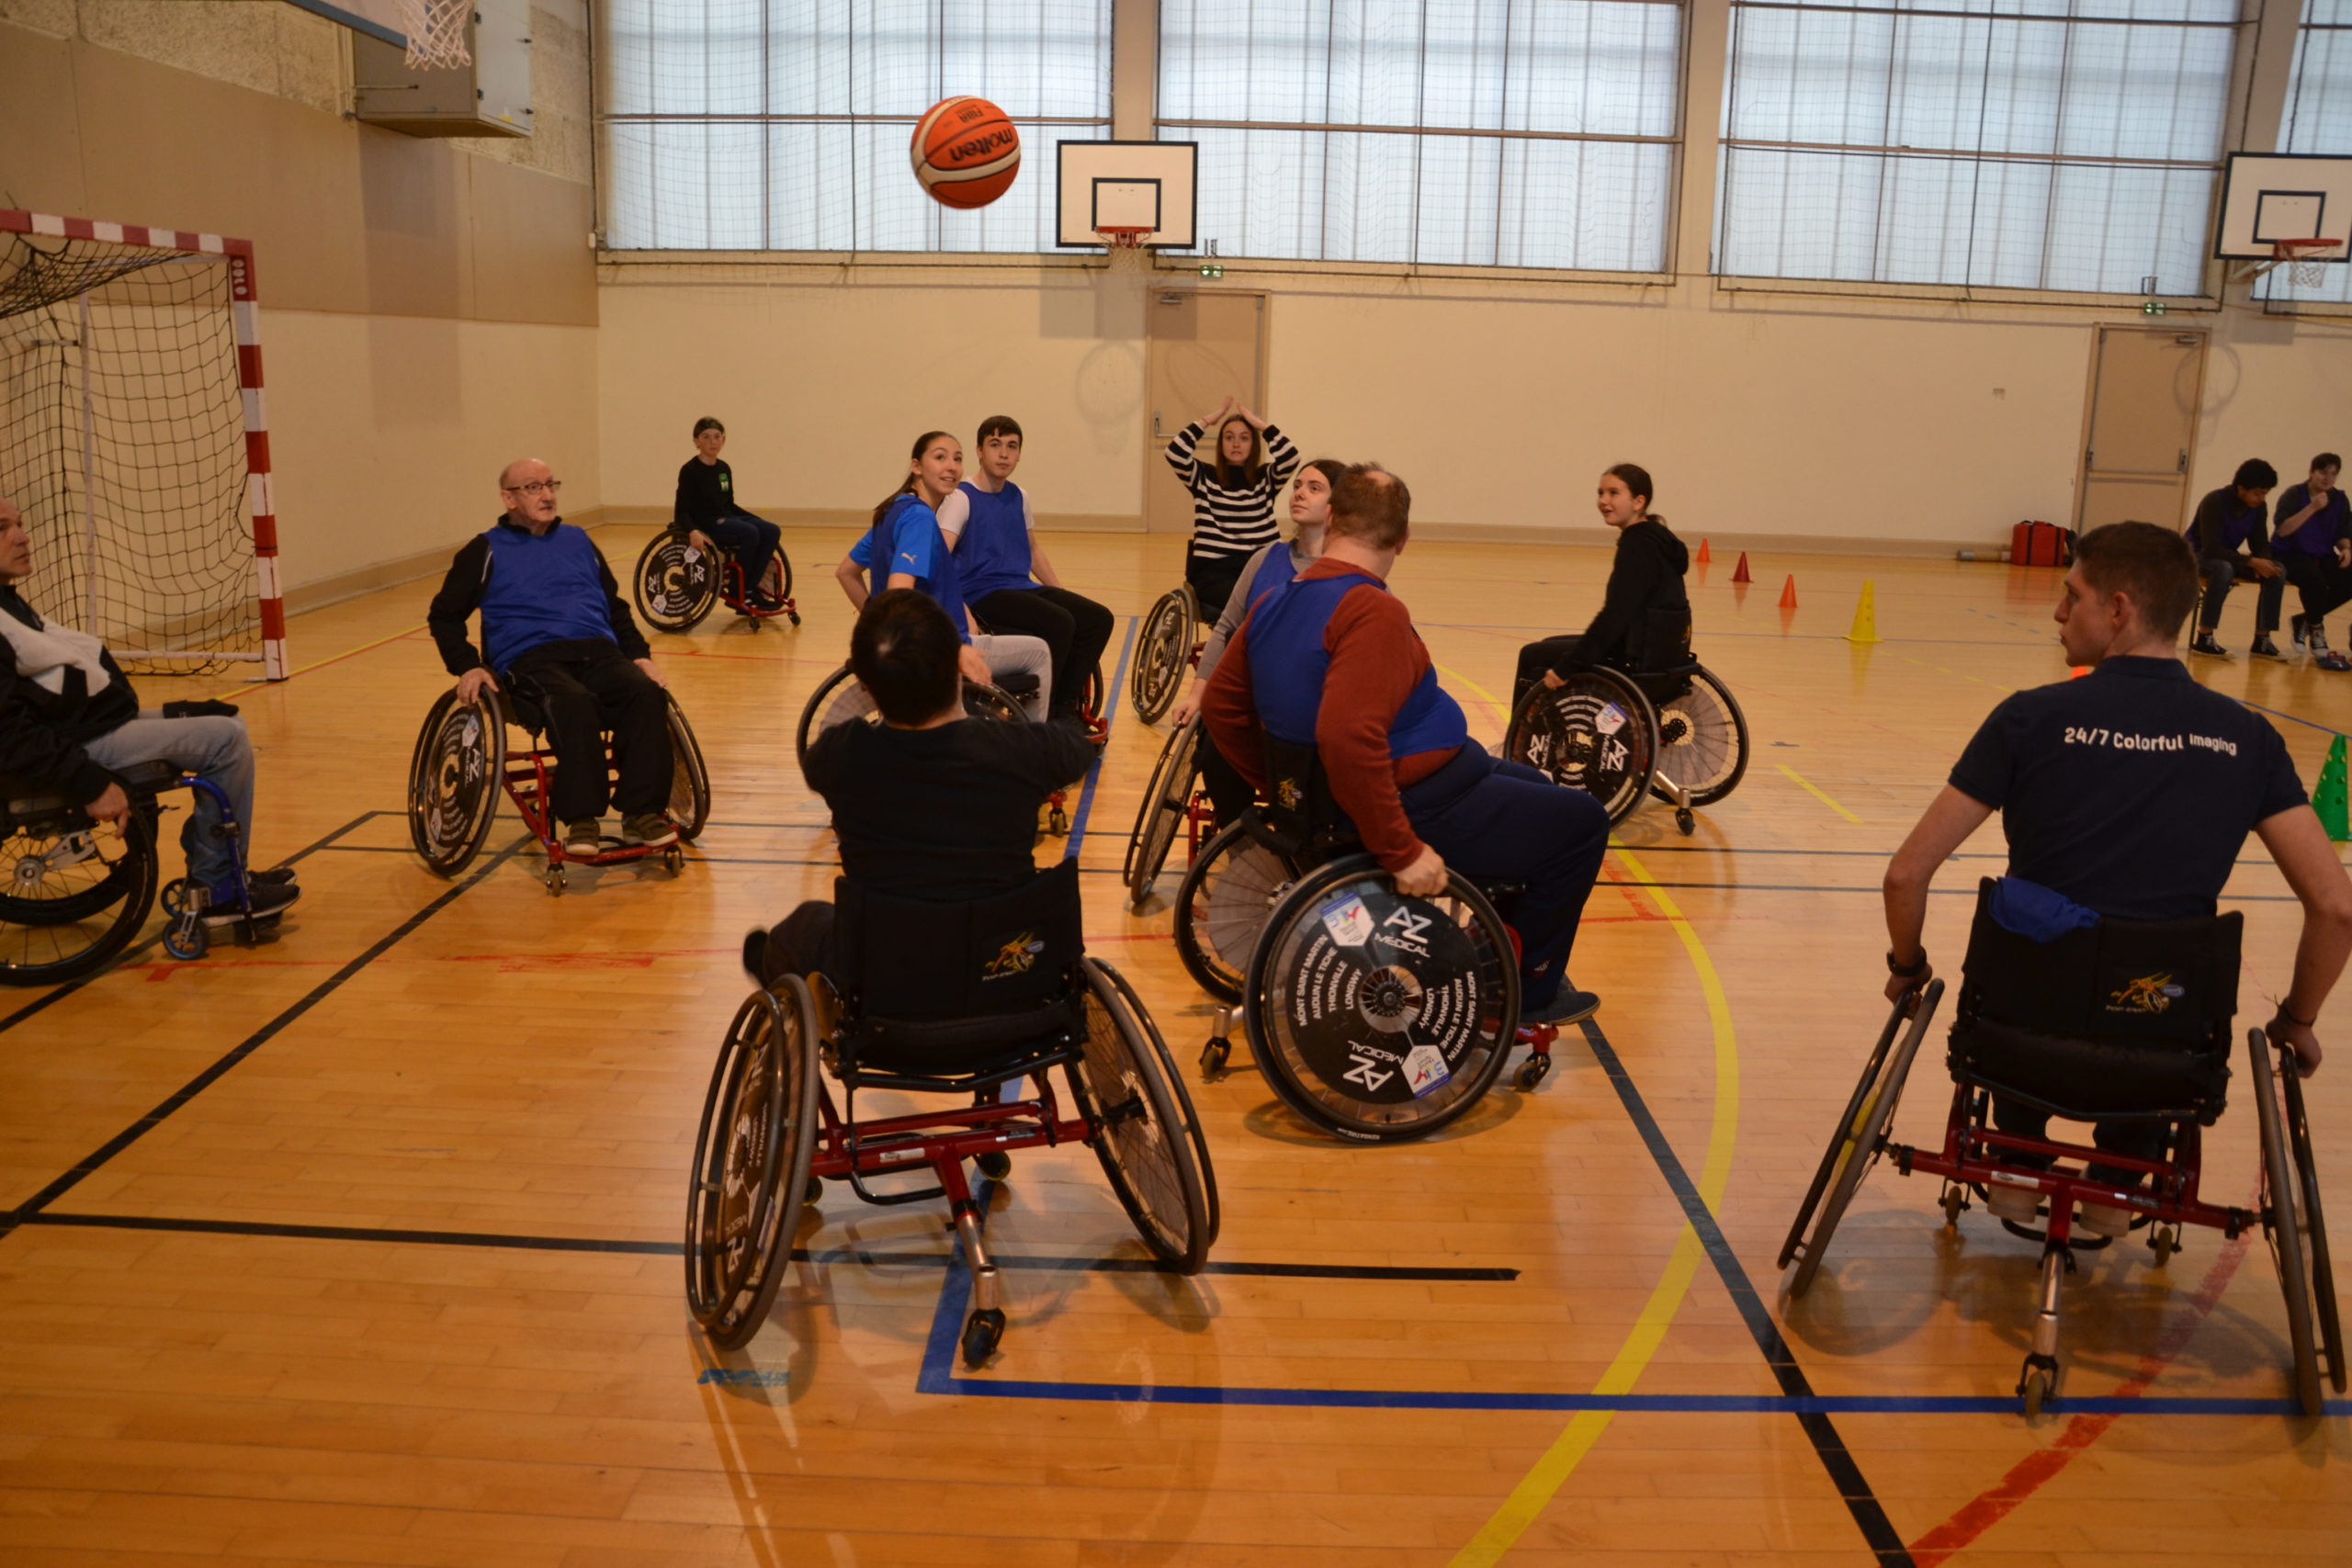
x=1095 y=773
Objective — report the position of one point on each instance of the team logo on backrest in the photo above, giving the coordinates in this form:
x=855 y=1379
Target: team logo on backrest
x=2148 y=994
x=1016 y=957
x=1287 y=793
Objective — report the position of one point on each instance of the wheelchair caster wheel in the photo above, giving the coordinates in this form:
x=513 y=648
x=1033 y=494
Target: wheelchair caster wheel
x=1955 y=1200
x=1214 y=1056
x=1533 y=1071
x=1687 y=822
x=983 y=1331
x=2163 y=1241
x=794 y=615
x=1058 y=823
x=814 y=1193
x=175 y=897
x=186 y=938
x=555 y=880
x=2036 y=1388
x=996 y=1165
x=673 y=860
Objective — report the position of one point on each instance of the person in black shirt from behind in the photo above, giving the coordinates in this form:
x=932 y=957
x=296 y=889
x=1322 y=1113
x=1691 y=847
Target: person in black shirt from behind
x=2129 y=791
x=706 y=512
x=927 y=803
x=2233 y=516
x=1646 y=575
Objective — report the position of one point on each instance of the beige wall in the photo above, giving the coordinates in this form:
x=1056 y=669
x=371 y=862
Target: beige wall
x=428 y=306
x=1839 y=420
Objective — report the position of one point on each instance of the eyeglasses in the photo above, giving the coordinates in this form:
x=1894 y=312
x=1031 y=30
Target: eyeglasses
x=537 y=487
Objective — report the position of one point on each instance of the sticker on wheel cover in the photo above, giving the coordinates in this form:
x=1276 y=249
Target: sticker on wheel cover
x=1347 y=922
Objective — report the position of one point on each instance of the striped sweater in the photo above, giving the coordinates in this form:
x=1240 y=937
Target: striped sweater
x=1236 y=521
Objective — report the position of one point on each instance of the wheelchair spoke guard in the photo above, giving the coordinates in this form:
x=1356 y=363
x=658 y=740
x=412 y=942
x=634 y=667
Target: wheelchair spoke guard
x=454 y=780
x=676 y=585
x=1163 y=653
x=1595 y=732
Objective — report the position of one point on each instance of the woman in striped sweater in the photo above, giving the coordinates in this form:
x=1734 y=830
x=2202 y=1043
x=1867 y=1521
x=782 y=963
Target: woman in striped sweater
x=1233 y=496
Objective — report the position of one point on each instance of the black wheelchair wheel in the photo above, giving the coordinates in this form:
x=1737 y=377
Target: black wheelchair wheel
x=752 y=1158
x=2319 y=1269
x=675 y=585
x=1701 y=740
x=454 y=779
x=1830 y=1155
x=2282 y=1197
x=689 y=776
x=1222 y=905
x=1595 y=732
x=1144 y=1149
x=1185 y=1111
x=1377 y=1016
x=1162 y=813
x=992 y=702
x=75 y=893
x=837 y=699
x=1163 y=654
x=1860 y=1137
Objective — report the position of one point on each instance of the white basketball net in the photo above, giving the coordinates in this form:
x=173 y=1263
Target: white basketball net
x=436 y=32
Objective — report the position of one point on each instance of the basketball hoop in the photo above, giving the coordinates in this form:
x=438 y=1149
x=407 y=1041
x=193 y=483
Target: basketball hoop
x=2309 y=258
x=436 y=32
x=1123 y=236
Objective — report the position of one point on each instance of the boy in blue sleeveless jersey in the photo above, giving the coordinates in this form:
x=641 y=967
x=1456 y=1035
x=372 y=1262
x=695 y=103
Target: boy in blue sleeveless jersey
x=1011 y=586
x=554 y=623
x=1330 y=660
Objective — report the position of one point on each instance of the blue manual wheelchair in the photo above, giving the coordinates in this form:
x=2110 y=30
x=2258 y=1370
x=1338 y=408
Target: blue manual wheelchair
x=966 y=1000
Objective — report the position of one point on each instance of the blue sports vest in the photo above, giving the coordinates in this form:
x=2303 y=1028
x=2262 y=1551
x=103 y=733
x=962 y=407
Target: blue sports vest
x=542 y=590
x=943 y=583
x=994 y=556
x=1288 y=662
x=1273 y=573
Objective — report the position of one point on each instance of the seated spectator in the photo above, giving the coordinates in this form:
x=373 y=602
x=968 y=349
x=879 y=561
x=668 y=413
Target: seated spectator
x=2228 y=518
x=2312 y=540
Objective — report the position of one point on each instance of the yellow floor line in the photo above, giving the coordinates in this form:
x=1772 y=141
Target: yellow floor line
x=323 y=664
x=1551 y=1472
x=1818 y=794
x=1485 y=697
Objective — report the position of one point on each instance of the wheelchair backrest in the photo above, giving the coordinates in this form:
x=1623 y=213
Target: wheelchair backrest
x=911 y=959
x=2150 y=980
x=1299 y=808
x=1661 y=641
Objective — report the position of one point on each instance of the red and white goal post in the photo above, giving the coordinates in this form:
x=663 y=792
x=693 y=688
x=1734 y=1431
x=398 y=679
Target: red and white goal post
x=136 y=439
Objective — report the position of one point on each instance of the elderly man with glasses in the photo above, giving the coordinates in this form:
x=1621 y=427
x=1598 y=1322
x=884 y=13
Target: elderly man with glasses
x=555 y=626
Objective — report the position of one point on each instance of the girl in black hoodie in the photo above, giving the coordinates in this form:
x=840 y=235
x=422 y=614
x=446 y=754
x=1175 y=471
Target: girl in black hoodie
x=1646 y=576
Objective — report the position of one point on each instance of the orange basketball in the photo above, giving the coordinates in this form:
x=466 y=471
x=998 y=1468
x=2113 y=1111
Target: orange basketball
x=966 y=153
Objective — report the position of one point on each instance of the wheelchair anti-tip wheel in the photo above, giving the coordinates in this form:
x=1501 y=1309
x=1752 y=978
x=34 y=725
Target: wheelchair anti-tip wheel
x=751 y=1158
x=1163 y=653
x=1595 y=732
x=839 y=698
x=1377 y=1016
x=2283 y=1223
x=1180 y=1095
x=1164 y=799
x=76 y=891
x=1142 y=1140
x=1222 y=905
x=454 y=779
x=1860 y=1136
x=675 y=585
x=1701 y=739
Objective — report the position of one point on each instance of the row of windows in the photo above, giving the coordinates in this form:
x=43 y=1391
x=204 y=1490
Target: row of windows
x=2050 y=144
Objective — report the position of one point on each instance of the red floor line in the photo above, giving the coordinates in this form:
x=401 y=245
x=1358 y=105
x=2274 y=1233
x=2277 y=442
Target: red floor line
x=2030 y=1474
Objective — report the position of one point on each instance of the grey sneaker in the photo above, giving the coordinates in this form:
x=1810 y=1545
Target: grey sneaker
x=585 y=837
x=648 y=828
x=2315 y=635
x=2203 y=643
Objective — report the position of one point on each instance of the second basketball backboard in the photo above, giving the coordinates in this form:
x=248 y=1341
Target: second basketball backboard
x=1127 y=185
x=2268 y=197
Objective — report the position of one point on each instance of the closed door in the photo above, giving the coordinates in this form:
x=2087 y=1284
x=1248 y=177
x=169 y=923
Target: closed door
x=1201 y=346
x=2144 y=391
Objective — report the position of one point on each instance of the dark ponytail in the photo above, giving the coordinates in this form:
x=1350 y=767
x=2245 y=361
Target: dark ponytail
x=907 y=486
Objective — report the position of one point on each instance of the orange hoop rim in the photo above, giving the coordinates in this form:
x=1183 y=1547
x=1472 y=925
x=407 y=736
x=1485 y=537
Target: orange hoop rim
x=2289 y=250
x=1123 y=236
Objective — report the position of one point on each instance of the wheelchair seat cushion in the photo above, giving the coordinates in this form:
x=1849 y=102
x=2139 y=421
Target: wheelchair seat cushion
x=2088 y=1080
x=988 y=1045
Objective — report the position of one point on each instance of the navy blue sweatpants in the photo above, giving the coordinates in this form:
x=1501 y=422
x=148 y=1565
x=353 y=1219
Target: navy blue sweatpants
x=1495 y=820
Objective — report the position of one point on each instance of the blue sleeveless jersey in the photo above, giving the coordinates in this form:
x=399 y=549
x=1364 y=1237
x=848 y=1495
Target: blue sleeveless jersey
x=994 y=554
x=1273 y=573
x=1288 y=663
x=542 y=590
x=908 y=539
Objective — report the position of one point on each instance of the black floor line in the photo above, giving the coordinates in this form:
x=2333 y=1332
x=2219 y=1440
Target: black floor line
x=49 y=1194
x=800 y=1254
x=40 y=1004
x=1845 y=1474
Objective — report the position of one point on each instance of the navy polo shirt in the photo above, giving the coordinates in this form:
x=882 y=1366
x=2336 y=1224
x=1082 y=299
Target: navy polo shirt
x=2129 y=790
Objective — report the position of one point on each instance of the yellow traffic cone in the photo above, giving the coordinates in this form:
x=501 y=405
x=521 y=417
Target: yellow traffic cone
x=1865 y=619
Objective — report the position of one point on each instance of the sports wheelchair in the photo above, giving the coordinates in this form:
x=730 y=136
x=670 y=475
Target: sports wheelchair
x=1337 y=972
x=1173 y=798
x=2126 y=1021
x=676 y=584
x=1169 y=649
x=969 y=1000
x=464 y=758
x=78 y=891
x=1667 y=725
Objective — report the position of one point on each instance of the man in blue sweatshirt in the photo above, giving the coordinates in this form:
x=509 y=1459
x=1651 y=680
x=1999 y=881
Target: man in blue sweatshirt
x=554 y=623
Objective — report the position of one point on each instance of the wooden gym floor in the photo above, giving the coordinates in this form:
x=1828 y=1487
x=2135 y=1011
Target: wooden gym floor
x=360 y=1247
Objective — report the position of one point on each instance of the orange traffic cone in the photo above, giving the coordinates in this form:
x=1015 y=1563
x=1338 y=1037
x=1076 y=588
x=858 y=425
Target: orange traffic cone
x=1789 y=594
x=1739 y=573
x=1704 y=557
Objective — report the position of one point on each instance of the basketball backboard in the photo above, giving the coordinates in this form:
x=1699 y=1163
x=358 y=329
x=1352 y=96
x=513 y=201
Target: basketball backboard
x=1127 y=185
x=2270 y=196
